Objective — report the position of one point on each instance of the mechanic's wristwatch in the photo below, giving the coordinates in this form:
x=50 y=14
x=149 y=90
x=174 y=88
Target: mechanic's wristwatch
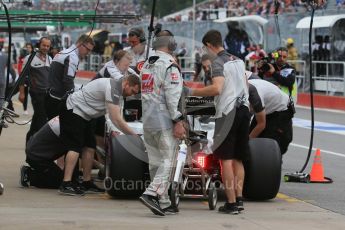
x=180 y=118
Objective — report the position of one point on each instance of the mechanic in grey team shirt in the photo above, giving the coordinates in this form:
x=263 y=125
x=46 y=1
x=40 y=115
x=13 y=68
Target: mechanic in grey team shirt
x=42 y=150
x=62 y=73
x=273 y=118
x=46 y=146
x=94 y=100
x=116 y=69
x=38 y=73
x=229 y=86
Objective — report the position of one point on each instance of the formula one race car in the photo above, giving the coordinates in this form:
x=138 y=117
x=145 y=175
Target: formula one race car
x=127 y=171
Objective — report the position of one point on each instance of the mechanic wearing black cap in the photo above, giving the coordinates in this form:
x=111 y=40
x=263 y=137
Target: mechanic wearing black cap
x=137 y=48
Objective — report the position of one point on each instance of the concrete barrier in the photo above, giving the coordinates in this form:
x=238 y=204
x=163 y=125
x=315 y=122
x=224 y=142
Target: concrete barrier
x=322 y=101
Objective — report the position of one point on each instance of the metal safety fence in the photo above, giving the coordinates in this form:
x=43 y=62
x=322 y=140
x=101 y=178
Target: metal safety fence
x=328 y=76
x=94 y=62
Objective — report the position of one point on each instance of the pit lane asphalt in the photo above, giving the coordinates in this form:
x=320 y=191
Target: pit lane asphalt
x=34 y=208
x=331 y=145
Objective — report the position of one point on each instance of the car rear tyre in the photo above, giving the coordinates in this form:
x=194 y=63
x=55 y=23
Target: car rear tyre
x=127 y=172
x=262 y=169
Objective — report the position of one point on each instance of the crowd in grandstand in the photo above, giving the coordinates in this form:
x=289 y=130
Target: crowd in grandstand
x=214 y=8
x=104 y=7
x=206 y=10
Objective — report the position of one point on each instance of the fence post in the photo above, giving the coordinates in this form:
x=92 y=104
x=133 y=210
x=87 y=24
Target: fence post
x=328 y=82
x=344 y=78
x=304 y=76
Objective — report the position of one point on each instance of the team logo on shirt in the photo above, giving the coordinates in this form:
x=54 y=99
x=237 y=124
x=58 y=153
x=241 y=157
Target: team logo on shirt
x=147 y=83
x=174 y=77
x=140 y=66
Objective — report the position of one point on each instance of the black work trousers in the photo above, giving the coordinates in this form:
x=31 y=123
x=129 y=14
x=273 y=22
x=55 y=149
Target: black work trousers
x=44 y=174
x=26 y=97
x=39 y=117
x=278 y=127
x=53 y=106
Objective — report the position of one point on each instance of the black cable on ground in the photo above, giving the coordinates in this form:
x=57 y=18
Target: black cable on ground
x=311 y=89
x=10 y=120
x=276 y=5
x=300 y=176
x=6 y=114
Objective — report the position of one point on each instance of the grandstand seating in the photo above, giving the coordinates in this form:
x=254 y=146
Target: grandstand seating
x=212 y=9
x=104 y=7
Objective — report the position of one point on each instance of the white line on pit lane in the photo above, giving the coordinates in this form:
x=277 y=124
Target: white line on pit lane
x=322 y=150
x=320 y=126
x=321 y=109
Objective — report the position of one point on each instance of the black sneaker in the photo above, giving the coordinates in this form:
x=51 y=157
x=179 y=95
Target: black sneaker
x=24 y=177
x=229 y=208
x=152 y=203
x=239 y=203
x=70 y=189
x=90 y=188
x=171 y=210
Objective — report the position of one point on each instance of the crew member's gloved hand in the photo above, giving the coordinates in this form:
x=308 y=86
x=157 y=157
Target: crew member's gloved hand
x=187 y=91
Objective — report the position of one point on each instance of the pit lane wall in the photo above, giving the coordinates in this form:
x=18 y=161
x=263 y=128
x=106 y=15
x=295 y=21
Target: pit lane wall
x=320 y=100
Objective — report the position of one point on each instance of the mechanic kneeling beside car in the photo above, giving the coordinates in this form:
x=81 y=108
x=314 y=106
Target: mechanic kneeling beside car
x=92 y=101
x=41 y=151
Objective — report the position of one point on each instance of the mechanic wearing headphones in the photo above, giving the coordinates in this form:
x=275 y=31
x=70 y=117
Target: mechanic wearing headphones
x=273 y=117
x=162 y=122
x=62 y=73
x=38 y=73
x=138 y=47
